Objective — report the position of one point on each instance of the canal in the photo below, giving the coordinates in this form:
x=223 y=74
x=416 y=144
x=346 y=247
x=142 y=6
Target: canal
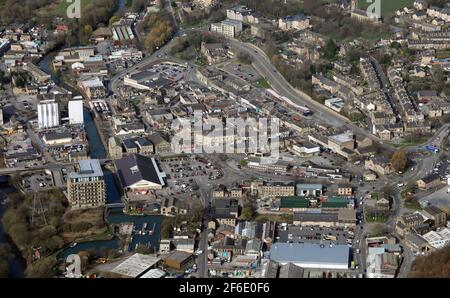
x=97 y=150
x=116 y=217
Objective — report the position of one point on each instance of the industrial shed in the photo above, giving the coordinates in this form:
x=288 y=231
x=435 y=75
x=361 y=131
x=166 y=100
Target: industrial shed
x=307 y=255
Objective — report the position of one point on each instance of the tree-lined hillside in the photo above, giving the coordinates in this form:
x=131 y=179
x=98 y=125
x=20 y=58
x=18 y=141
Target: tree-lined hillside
x=434 y=265
x=20 y=10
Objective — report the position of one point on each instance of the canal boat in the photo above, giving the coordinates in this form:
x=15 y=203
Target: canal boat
x=152 y=230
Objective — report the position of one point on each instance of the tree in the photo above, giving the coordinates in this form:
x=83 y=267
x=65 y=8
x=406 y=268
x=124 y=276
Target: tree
x=399 y=160
x=161 y=30
x=330 y=49
x=243 y=163
x=54 y=243
x=42 y=268
x=113 y=19
x=4 y=268
x=196 y=215
x=247 y=213
x=5 y=255
x=270 y=48
x=20 y=234
x=88 y=29
x=435 y=265
x=138 y=5
x=309 y=6
x=244 y=58
x=15 y=224
x=166 y=227
x=379 y=230
x=20 y=82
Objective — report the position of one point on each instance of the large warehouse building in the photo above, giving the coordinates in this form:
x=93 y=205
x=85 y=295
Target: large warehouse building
x=308 y=255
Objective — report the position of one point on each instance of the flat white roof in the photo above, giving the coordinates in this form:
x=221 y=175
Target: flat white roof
x=136 y=265
x=88 y=168
x=154 y=273
x=309 y=255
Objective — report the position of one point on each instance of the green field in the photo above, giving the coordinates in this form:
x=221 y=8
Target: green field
x=388 y=7
x=262 y=83
x=61 y=6
x=375 y=195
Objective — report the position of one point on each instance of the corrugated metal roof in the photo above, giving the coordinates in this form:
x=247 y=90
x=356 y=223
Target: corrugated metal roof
x=294 y=202
x=310 y=255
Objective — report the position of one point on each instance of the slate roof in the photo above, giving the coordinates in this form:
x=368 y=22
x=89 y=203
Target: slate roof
x=135 y=167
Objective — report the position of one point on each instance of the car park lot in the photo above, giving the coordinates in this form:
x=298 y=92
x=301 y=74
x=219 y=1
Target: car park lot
x=315 y=234
x=243 y=71
x=182 y=172
x=36 y=182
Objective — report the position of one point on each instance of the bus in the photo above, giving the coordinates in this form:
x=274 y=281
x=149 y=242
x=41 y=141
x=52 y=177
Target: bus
x=432 y=149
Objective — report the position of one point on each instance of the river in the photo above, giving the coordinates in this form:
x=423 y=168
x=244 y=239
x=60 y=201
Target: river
x=17 y=264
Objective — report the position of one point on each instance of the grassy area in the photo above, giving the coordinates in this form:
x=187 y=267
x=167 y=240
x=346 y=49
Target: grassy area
x=107 y=234
x=373 y=36
x=196 y=23
x=412 y=205
x=375 y=195
x=389 y=7
x=83 y=224
x=288 y=218
x=262 y=83
x=414 y=140
x=409 y=141
x=61 y=7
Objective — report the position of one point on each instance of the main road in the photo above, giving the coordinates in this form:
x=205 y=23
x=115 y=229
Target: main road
x=263 y=65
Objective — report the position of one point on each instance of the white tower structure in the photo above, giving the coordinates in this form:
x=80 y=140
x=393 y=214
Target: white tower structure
x=76 y=112
x=48 y=114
